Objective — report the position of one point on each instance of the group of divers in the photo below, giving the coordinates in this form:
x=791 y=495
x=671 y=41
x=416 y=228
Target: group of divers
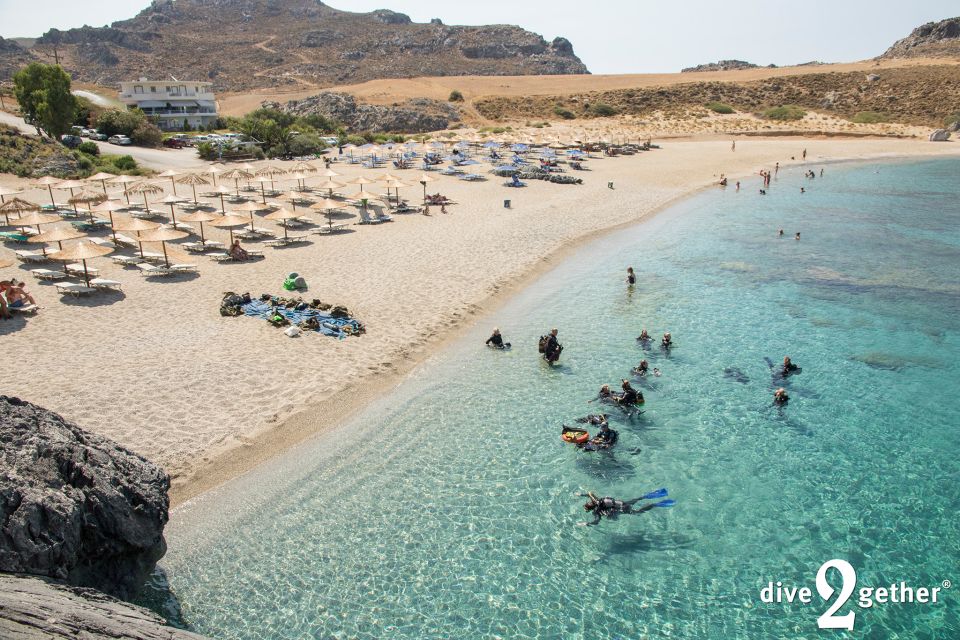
x=628 y=400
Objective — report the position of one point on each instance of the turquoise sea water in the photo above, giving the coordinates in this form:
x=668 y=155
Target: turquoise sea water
x=448 y=509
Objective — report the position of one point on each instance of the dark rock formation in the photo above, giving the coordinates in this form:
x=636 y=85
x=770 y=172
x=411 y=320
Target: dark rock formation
x=414 y=116
x=35 y=609
x=725 y=65
x=75 y=506
x=934 y=39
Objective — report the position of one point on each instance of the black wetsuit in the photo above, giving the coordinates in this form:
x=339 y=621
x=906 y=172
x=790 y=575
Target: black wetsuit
x=552 y=349
x=631 y=279
x=611 y=508
x=629 y=396
x=788 y=369
x=496 y=340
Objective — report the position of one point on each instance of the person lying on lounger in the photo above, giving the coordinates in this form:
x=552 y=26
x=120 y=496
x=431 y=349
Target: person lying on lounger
x=237 y=252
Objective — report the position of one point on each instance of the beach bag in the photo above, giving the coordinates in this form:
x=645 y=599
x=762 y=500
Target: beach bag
x=292 y=331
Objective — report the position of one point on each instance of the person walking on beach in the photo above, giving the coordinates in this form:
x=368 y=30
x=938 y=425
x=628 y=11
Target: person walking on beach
x=776 y=169
x=804 y=154
x=738 y=185
x=733 y=146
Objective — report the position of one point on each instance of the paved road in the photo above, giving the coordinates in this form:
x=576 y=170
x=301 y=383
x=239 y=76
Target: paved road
x=158 y=159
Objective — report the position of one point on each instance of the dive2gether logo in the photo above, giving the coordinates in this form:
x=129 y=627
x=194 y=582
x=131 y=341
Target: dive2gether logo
x=777 y=592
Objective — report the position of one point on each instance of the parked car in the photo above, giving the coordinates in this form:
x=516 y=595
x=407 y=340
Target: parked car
x=121 y=140
x=102 y=137
x=174 y=143
x=71 y=141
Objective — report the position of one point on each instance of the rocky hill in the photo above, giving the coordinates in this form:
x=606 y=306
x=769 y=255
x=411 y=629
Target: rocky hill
x=247 y=44
x=12 y=57
x=725 y=65
x=413 y=116
x=932 y=40
x=920 y=95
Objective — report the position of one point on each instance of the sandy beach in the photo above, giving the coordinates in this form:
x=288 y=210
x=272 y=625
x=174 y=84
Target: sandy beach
x=159 y=370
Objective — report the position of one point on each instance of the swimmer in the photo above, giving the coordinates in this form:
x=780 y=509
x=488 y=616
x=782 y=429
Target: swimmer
x=496 y=340
x=644 y=336
x=630 y=396
x=611 y=507
x=604 y=392
x=667 y=341
x=631 y=278
x=641 y=369
x=797 y=237
x=788 y=367
x=780 y=396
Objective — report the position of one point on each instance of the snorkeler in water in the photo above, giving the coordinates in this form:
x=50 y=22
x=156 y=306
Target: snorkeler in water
x=780 y=397
x=610 y=508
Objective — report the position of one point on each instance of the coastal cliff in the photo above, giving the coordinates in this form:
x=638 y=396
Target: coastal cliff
x=74 y=506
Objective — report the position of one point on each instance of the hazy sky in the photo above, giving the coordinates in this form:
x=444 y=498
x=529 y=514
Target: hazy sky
x=612 y=36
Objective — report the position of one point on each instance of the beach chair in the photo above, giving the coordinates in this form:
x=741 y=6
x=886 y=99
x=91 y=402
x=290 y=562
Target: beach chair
x=13 y=236
x=471 y=177
x=183 y=268
x=382 y=216
x=365 y=217
x=30 y=256
x=27 y=308
x=283 y=242
x=220 y=256
x=106 y=285
x=76 y=269
x=148 y=270
x=126 y=261
x=74 y=288
x=126 y=241
x=48 y=274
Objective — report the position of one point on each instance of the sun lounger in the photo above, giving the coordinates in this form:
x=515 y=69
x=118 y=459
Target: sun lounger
x=153 y=257
x=365 y=217
x=125 y=260
x=47 y=274
x=13 y=236
x=380 y=216
x=183 y=268
x=77 y=270
x=74 y=288
x=31 y=256
x=102 y=283
x=87 y=225
x=147 y=270
x=180 y=226
x=283 y=242
x=145 y=214
x=27 y=308
x=472 y=177
x=126 y=241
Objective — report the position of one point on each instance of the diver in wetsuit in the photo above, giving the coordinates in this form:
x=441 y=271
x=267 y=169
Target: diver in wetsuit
x=788 y=367
x=605 y=439
x=496 y=340
x=630 y=396
x=611 y=507
x=780 y=397
x=667 y=341
x=642 y=368
x=552 y=349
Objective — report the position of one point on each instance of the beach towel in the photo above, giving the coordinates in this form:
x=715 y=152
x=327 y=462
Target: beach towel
x=328 y=325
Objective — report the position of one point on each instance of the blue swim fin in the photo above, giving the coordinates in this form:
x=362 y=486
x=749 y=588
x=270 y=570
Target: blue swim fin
x=665 y=503
x=659 y=493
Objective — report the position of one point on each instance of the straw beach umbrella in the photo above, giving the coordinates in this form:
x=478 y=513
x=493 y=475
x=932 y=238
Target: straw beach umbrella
x=48 y=182
x=87 y=197
x=330 y=186
x=193 y=180
x=7 y=191
x=110 y=206
x=250 y=207
x=201 y=217
x=282 y=214
x=263 y=180
x=103 y=176
x=82 y=251
x=170 y=173
x=424 y=179
x=303 y=167
x=361 y=181
x=237 y=175
x=214 y=170
x=163 y=236
x=171 y=200
x=396 y=185
x=35 y=219
x=18 y=207
x=124 y=180
x=271 y=172
x=329 y=173
x=229 y=222
x=145 y=188
x=222 y=191
x=327 y=206
x=56 y=234
x=135 y=225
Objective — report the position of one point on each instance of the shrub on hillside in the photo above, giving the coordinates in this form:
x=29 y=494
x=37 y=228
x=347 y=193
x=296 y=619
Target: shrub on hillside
x=785 y=113
x=602 y=110
x=147 y=135
x=305 y=144
x=89 y=147
x=125 y=163
x=455 y=96
x=949 y=120
x=566 y=114
x=870 y=117
x=719 y=107
x=116 y=122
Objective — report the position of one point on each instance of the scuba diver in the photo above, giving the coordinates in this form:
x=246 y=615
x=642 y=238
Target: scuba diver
x=788 y=367
x=667 y=341
x=630 y=396
x=550 y=347
x=780 y=397
x=496 y=341
x=644 y=337
x=594 y=419
x=611 y=507
x=642 y=368
x=605 y=393
x=604 y=439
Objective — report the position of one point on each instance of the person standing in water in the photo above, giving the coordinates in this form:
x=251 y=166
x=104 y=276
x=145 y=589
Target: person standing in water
x=496 y=340
x=631 y=278
x=804 y=154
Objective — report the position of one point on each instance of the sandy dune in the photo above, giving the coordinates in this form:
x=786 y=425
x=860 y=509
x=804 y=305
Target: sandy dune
x=158 y=369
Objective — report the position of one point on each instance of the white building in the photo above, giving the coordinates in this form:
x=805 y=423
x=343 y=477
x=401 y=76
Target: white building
x=170 y=103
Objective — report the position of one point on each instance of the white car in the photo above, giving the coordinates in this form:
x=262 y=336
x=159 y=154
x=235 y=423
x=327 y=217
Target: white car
x=121 y=140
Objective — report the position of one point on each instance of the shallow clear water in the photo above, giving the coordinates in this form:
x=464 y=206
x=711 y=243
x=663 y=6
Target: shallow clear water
x=448 y=509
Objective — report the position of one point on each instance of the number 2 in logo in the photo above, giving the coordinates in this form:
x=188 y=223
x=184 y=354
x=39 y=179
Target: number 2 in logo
x=849 y=575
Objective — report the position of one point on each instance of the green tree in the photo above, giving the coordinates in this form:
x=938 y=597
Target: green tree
x=115 y=122
x=147 y=135
x=43 y=91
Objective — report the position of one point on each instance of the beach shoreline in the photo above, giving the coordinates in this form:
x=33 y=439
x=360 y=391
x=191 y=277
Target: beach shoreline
x=322 y=416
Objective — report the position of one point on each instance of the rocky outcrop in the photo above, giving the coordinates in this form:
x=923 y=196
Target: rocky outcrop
x=940 y=135
x=265 y=43
x=414 y=116
x=934 y=40
x=75 y=506
x=725 y=65
x=35 y=609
